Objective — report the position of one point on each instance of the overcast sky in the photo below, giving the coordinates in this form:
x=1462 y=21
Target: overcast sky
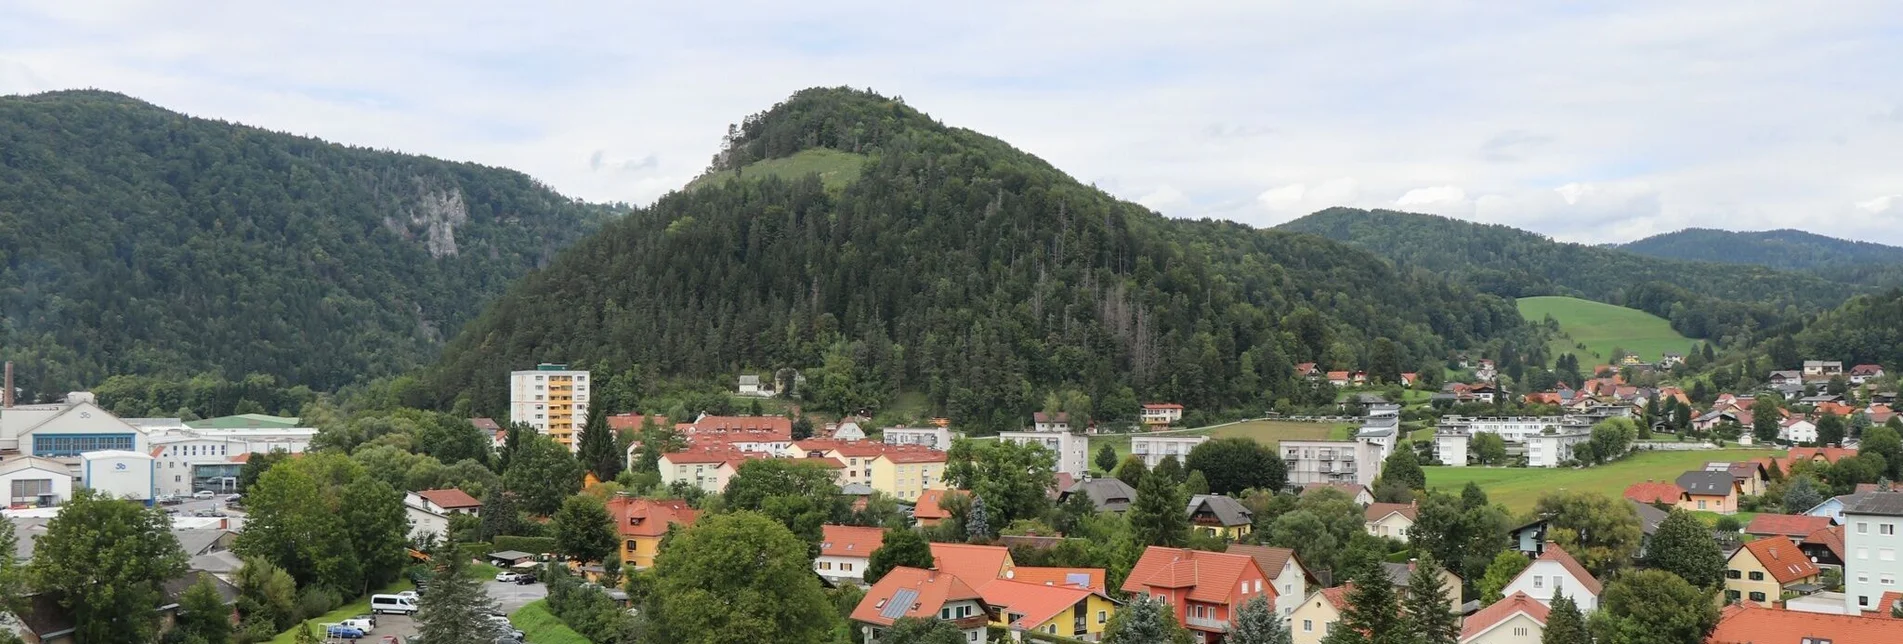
x=1601 y=123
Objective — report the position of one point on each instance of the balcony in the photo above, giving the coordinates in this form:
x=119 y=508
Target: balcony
x=1207 y=624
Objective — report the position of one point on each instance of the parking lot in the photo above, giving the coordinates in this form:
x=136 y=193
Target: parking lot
x=508 y=596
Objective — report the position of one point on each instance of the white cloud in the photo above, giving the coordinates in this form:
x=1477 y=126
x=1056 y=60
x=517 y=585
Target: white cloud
x=1880 y=204
x=1429 y=196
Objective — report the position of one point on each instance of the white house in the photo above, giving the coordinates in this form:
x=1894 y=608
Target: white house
x=845 y=551
x=1154 y=448
x=1332 y=461
x=1058 y=422
x=1284 y=570
x=934 y=437
x=1390 y=520
x=1161 y=413
x=1450 y=447
x=1797 y=430
x=1072 y=450
x=1516 y=619
x=750 y=385
x=1549 y=450
x=429 y=510
x=1873 y=535
x=1555 y=570
x=847 y=429
x=119 y=473
x=35 y=482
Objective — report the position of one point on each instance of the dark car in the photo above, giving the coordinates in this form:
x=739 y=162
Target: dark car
x=525 y=579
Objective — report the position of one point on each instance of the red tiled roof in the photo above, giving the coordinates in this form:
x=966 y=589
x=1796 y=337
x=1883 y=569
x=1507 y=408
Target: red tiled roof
x=974 y=562
x=487 y=424
x=933 y=588
x=1351 y=489
x=928 y=504
x=1790 y=525
x=1337 y=375
x=1831 y=537
x=1654 y=492
x=649 y=517
x=1748 y=623
x=1834 y=409
x=1781 y=558
x=1338 y=596
x=1162 y=406
x=738 y=428
x=633 y=421
x=1057 y=576
x=450 y=498
x=1379 y=511
x=1885 y=604
x=1829 y=454
x=849 y=540
x=1501 y=611
x=1037 y=603
x=1210 y=576
x=1305 y=367
x=1866 y=370
x=1555 y=553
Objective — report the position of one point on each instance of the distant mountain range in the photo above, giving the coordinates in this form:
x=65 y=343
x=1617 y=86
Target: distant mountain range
x=1836 y=259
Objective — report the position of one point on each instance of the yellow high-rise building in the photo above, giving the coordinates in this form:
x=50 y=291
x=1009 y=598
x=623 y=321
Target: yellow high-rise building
x=551 y=398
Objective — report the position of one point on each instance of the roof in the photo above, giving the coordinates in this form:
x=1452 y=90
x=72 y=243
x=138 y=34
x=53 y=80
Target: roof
x=1707 y=483
x=33 y=462
x=1654 y=492
x=1557 y=554
x=509 y=555
x=1337 y=596
x=486 y=424
x=1087 y=578
x=633 y=421
x=1781 y=558
x=239 y=421
x=912 y=454
x=1162 y=406
x=1209 y=576
x=928 y=504
x=649 y=517
x=910 y=592
x=1226 y=510
x=738 y=428
x=1749 y=623
x=974 y=562
x=1790 y=525
x=1649 y=516
x=1866 y=369
x=1037 y=603
x=1890 y=599
x=1379 y=511
x=1351 y=489
x=450 y=498
x=1879 y=503
x=1107 y=494
x=1831 y=537
x=1268 y=558
x=849 y=540
x=1491 y=616
x=1060 y=417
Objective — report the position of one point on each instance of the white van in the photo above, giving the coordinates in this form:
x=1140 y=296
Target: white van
x=393 y=604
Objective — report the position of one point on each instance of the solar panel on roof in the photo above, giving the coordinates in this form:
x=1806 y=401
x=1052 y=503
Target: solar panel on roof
x=1076 y=579
x=901 y=602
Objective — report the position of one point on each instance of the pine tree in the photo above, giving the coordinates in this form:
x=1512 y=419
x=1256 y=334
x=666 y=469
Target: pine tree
x=1106 y=458
x=306 y=634
x=1373 y=613
x=203 y=613
x=977 y=523
x=1171 y=469
x=1158 y=518
x=596 y=448
x=456 y=610
x=1145 y=620
x=1257 y=623
x=499 y=515
x=1564 y=623
x=1428 y=607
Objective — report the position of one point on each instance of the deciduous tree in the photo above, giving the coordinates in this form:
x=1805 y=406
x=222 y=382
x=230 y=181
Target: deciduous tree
x=1235 y=464
x=739 y=577
x=583 y=529
x=1602 y=533
x=899 y=547
x=103 y=559
x=1405 y=468
x=914 y=630
x=1653 y=607
x=267 y=597
x=1012 y=478
x=541 y=474
x=1488 y=449
x=1683 y=546
x=202 y=612
x=1506 y=566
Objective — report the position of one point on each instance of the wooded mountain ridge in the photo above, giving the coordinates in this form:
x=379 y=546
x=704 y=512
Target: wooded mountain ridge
x=1842 y=260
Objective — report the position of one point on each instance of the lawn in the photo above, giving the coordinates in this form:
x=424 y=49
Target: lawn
x=835 y=168
x=1603 y=327
x=1518 y=488
x=1271 y=432
x=542 y=627
x=352 y=609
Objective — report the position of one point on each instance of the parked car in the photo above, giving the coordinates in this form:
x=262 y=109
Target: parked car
x=343 y=631
x=525 y=578
x=364 y=624
x=203 y=494
x=208 y=512
x=507 y=576
x=368 y=619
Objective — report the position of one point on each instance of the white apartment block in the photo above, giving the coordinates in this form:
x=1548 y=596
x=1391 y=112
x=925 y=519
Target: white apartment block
x=1153 y=449
x=1513 y=429
x=938 y=438
x=551 y=398
x=1549 y=450
x=1326 y=461
x=1072 y=450
x=1873 y=536
x=1450 y=447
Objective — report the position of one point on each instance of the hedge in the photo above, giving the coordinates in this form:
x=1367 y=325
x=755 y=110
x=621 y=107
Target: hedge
x=475 y=550
x=531 y=545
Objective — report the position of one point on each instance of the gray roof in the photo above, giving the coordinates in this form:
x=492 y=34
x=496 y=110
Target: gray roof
x=221 y=562
x=1879 y=503
x=1649 y=517
x=855 y=489
x=1227 y=510
x=199 y=541
x=1107 y=494
x=1398 y=573
x=510 y=555
x=1370 y=399
x=1712 y=483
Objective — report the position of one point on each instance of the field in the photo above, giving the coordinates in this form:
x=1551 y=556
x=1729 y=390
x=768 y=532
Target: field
x=352 y=609
x=1266 y=431
x=835 y=168
x=1518 y=488
x=1603 y=327
x=540 y=626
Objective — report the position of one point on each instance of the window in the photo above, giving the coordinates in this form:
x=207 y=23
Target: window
x=1103 y=616
x=1732 y=595
x=846 y=567
x=1886 y=528
x=1701 y=504
x=1757 y=596
x=1757 y=575
x=1886 y=554
x=31 y=488
x=1863 y=578
x=1863 y=601
x=1519 y=631
x=1308 y=626
x=944 y=613
x=1863 y=553
x=1733 y=574
x=1887 y=580
x=1258 y=585
x=1863 y=527
x=1539 y=581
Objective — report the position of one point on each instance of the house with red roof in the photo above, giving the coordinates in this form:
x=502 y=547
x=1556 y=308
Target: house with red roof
x=923 y=594
x=1515 y=619
x=1764 y=569
x=1284 y=571
x=1307 y=370
x=641 y=523
x=708 y=466
x=429 y=510
x=1072 y=611
x=1864 y=373
x=770 y=434
x=845 y=551
x=1751 y=623
x=1795 y=526
x=1825 y=547
x=1656 y=492
x=1318 y=615
x=977 y=564
x=929 y=509
x=1339 y=378
x=1557 y=571
x=1203 y=588
x=1161 y=414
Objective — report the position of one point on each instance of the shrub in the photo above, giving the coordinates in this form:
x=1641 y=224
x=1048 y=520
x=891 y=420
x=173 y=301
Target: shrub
x=314 y=601
x=533 y=545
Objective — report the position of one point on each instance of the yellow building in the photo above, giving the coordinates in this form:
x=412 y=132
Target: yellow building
x=1761 y=570
x=905 y=472
x=1317 y=616
x=641 y=523
x=1065 y=611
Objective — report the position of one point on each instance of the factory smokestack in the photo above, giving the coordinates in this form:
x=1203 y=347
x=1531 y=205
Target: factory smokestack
x=6 y=397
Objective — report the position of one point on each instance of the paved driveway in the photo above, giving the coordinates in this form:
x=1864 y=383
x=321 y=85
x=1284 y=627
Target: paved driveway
x=512 y=596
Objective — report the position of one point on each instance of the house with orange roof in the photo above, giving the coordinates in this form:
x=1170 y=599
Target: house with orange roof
x=1284 y=571
x=1161 y=414
x=1307 y=370
x=929 y=508
x=976 y=563
x=771 y=434
x=1749 y=623
x=923 y=594
x=1085 y=578
x=1203 y=588
x=1764 y=570
x=1795 y=526
x=845 y=551
x=1825 y=547
x=1557 y=571
x=641 y=523
x=1319 y=613
x=1515 y=619
x=1656 y=492
x=632 y=422
x=1054 y=609
x=1391 y=520
x=1864 y=372
x=705 y=466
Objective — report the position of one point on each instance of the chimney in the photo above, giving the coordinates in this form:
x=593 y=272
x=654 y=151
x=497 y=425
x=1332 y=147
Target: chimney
x=6 y=397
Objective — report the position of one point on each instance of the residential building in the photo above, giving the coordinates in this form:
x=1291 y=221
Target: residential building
x=1204 y=589
x=1161 y=414
x=1331 y=461
x=1319 y=613
x=1450 y=447
x=928 y=509
x=31 y=482
x=905 y=472
x=1512 y=429
x=1529 y=538
x=1516 y=619
x=1071 y=450
x=1871 y=544
x=708 y=467
x=1709 y=492
x=977 y=563
x=1825 y=547
x=551 y=398
x=1153 y=448
x=769 y=434
x=1864 y=373
x=1359 y=493
x=1550 y=450
x=1766 y=570
x=933 y=437
x=641 y=523
x=847 y=429
x=1797 y=430
x=1749 y=623
x=1794 y=526
x=1106 y=494
x=1652 y=492
x=1071 y=611
x=922 y=594
x=1649 y=519
x=1556 y=571
x=1399 y=574
x=429 y=510
x=1219 y=516
x=751 y=386
x=1391 y=520
x=845 y=551
x=1382 y=431
x=1043 y=422
x=1751 y=477
x=1822 y=369
x=1284 y=571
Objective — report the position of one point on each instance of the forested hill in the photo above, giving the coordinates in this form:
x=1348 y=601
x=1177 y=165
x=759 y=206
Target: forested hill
x=1832 y=258
x=952 y=264
x=138 y=240
x=1723 y=302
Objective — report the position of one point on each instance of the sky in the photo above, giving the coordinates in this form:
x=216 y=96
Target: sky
x=1590 y=122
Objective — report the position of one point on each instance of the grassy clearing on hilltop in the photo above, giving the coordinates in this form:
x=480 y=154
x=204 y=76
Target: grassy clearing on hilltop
x=835 y=168
x=1603 y=327
x=1518 y=488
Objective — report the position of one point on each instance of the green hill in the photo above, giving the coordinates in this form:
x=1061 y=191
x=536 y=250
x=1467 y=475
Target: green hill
x=135 y=240
x=1829 y=257
x=1603 y=327
x=834 y=168
x=956 y=266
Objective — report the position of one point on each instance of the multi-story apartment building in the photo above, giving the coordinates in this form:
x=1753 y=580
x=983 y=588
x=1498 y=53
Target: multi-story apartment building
x=1873 y=537
x=1072 y=450
x=1450 y=447
x=933 y=437
x=551 y=398
x=1549 y=450
x=1154 y=448
x=1329 y=461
